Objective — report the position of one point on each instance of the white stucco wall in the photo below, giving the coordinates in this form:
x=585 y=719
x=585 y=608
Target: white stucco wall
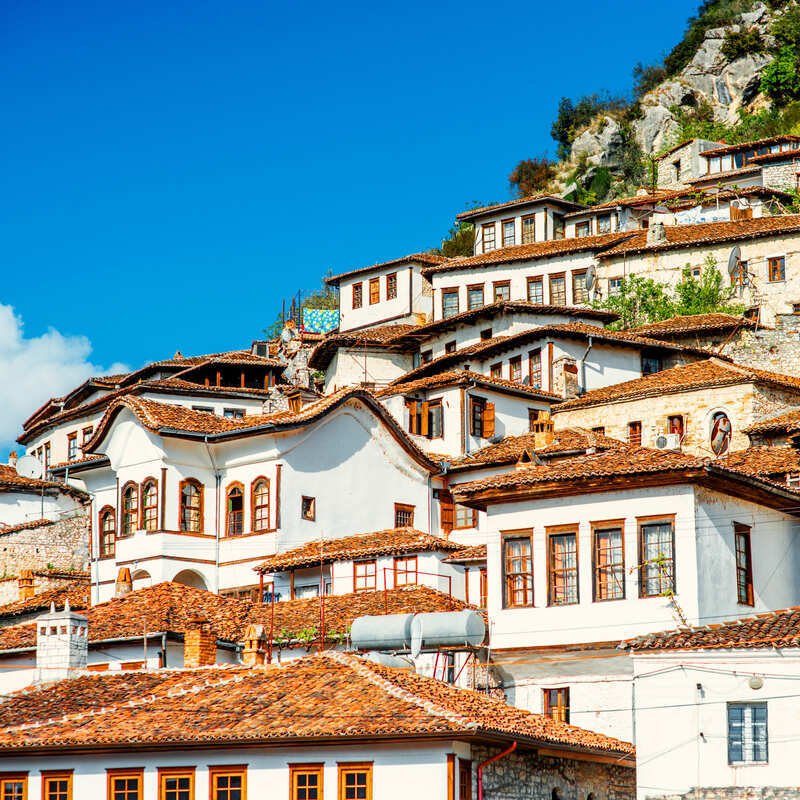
x=354 y=366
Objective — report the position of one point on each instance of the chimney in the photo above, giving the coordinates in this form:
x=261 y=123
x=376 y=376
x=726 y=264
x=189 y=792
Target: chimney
x=255 y=646
x=12 y=458
x=199 y=644
x=656 y=234
x=25 y=584
x=543 y=433
x=124 y=583
x=62 y=644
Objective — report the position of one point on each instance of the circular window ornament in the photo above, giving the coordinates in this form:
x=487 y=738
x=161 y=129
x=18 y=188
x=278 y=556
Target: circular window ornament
x=721 y=431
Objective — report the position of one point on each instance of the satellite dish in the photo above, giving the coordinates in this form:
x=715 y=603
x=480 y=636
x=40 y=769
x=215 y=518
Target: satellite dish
x=29 y=467
x=288 y=333
x=733 y=260
x=591 y=277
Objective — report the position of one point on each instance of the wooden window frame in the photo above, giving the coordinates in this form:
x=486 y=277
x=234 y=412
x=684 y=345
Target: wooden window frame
x=366 y=575
x=226 y=769
x=631 y=431
x=404 y=508
x=400 y=568
x=14 y=777
x=557 y=276
x=72 y=446
x=473 y=514
x=515 y=366
x=501 y=285
x=598 y=527
x=127 y=515
x=149 y=481
x=165 y=773
x=535 y=374
x=476 y=403
x=296 y=770
x=474 y=287
x=580 y=225
x=104 y=552
x=56 y=775
x=488 y=226
x=776 y=261
x=548 y=707
x=552 y=533
x=86 y=435
x=508 y=591
x=577 y=276
x=447 y=292
x=503 y=223
x=391 y=286
x=428 y=410
x=345 y=767
x=255 y=506
x=201 y=505
x=741 y=533
x=496 y=370
x=529 y=218
x=534 y=414
x=531 y=282
x=483 y=587
x=312 y=505
x=450 y=347
x=374 y=291
x=641 y=522
x=233 y=485
x=610 y=223
x=358 y=295
x=134 y=772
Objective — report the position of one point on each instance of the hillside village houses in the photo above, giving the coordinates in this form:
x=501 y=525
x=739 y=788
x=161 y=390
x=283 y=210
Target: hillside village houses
x=476 y=441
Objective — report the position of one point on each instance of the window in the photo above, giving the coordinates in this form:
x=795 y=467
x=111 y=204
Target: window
x=650 y=364
x=474 y=296
x=130 y=508
x=614 y=286
x=528 y=230
x=57 y=785
x=604 y=223
x=600 y=430
x=364 y=573
x=403 y=515
x=488 y=235
x=556 y=704
x=483 y=587
x=583 y=229
x=676 y=171
x=426 y=356
x=150 y=505
x=435 y=420
x=191 y=501
x=744 y=564
x=675 y=424
x=533 y=418
x=776 y=269
x=14 y=787
x=465 y=517
x=176 y=783
x=308 y=508
x=233 y=413
x=496 y=370
x=405 y=570
x=374 y=291
x=518 y=570
x=72 y=446
x=486 y=334
x=515 y=369
x=305 y=781
x=125 y=784
x=481 y=418
x=260 y=505
x=656 y=558
x=464 y=779
x=358 y=295
x=609 y=563
x=86 y=434
x=46 y=456
x=558 y=290
x=391 y=286
x=449 y=303
x=355 y=781
x=579 y=292
x=509 y=235
x=558 y=226
x=425 y=418
x=535 y=368
x=535 y=291
x=450 y=347
x=501 y=291
x=234 y=510
x=228 y=783
x=204 y=409
x=635 y=433
x=108 y=532
x=747 y=733
x=562 y=568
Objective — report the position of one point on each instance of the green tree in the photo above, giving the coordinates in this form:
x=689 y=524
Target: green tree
x=640 y=300
x=460 y=241
x=706 y=294
x=780 y=79
x=532 y=175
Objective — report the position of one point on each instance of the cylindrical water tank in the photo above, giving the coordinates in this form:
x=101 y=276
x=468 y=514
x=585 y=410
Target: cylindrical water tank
x=389 y=632
x=396 y=662
x=446 y=629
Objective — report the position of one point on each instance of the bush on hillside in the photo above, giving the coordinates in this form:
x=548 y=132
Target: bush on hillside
x=532 y=175
x=645 y=79
x=786 y=28
x=780 y=79
x=738 y=44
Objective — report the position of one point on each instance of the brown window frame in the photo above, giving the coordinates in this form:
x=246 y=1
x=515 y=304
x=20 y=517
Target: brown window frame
x=600 y=430
x=14 y=777
x=358 y=295
x=72 y=446
x=148 y=513
x=496 y=370
x=114 y=774
x=296 y=770
x=610 y=223
x=369 y=579
x=475 y=287
x=553 y=534
x=374 y=291
x=744 y=572
x=231 y=516
x=607 y=569
x=583 y=225
x=106 y=550
x=226 y=770
x=557 y=276
x=515 y=369
x=560 y=710
x=501 y=285
x=450 y=347
x=538 y=281
x=391 y=286
x=476 y=404
x=449 y=292
x=635 y=433
x=256 y=513
x=472 y=522
x=86 y=435
x=509 y=590
x=483 y=586
x=130 y=515
x=311 y=504
x=534 y=414
x=56 y=775
x=513 y=224
x=488 y=226
x=535 y=373
x=580 y=294
x=165 y=773
x=531 y=227
x=402 y=571
x=200 y=506
x=641 y=524
x=404 y=508
x=349 y=767
x=776 y=269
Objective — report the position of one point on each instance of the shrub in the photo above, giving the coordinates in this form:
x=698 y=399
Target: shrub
x=780 y=79
x=786 y=28
x=647 y=78
x=738 y=44
x=532 y=175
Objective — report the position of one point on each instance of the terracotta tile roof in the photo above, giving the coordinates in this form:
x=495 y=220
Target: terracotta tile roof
x=691 y=377
x=394 y=541
x=468 y=555
x=631 y=202
x=767 y=463
x=674 y=147
x=466 y=377
x=382 y=336
x=471 y=213
x=681 y=236
x=785 y=423
x=710 y=197
x=782 y=155
x=773 y=630
x=76 y=591
x=694 y=323
x=413 y=258
x=351 y=699
x=713 y=177
x=530 y=252
x=754 y=144
x=10 y=481
x=25 y=526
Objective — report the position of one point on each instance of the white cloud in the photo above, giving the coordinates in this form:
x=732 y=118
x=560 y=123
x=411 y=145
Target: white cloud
x=35 y=369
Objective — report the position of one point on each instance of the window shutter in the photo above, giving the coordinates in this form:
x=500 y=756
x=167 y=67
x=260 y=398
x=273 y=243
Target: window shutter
x=488 y=421
x=412 y=416
x=446 y=512
x=424 y=420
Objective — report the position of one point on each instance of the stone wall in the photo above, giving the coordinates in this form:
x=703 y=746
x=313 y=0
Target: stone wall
x=776 y=349
x=52 y=545
x=734 y=793
x=524 y=775
x=780 y=175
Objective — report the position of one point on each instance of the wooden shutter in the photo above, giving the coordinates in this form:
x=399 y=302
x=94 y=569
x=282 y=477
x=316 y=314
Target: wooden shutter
x=446 y=512
x=488 y=421
x=424 y=420
x=411 y=405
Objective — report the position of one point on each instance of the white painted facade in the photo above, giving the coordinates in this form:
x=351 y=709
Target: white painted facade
x=365 y=366
x=17 y=508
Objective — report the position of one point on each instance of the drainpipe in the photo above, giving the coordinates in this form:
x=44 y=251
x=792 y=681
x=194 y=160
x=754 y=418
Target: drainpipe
x=218 y=484
x=583 y=366
x=488 y=761
x=471 y=385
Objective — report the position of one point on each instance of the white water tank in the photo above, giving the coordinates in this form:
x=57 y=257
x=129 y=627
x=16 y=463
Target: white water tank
x=446 y=629
x=389 y=632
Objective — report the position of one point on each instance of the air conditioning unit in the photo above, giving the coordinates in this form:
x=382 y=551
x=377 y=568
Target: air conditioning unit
x=668 y=441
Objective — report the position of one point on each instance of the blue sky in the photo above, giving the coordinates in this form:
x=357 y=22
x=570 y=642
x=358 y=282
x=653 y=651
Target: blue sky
x=171 y=171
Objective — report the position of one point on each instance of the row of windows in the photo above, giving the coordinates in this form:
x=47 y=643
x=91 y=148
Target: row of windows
x=374 y=287
x=656 y=563
x=73 y=450
x=508 y=232
x=178 y=783
x=776 y=271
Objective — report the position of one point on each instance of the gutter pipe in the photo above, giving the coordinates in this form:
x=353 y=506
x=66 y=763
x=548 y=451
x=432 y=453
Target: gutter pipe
x=218 y=484
x=508 y=751
x=583 y=365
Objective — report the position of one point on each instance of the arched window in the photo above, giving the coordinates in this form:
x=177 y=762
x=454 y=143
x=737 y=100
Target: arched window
x=260 y=504
x=150 y=505
x=721 y=431
x=130 y=508
x=234 y=510
x=191 y=506
x=108 y=531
